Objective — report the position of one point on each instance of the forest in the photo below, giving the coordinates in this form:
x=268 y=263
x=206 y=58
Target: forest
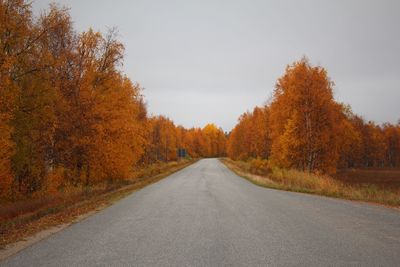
x=302 y=127
x=69 y=116
x=199 y=133
x=303 y=140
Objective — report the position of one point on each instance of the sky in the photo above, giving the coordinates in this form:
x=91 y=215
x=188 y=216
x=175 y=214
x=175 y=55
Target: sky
x=209 y=61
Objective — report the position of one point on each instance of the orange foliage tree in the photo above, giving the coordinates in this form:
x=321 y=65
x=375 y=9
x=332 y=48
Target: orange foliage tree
x=68 y=114
x=391 y=136
x=251 y=136
x=305 y=128
x=162 y=145
x=15 y=37
x=215 y=141
x=304 y=120
x=166 y=139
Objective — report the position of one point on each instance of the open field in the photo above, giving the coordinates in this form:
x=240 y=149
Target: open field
x=24 y=218
x=383 y=178
x=293 y=180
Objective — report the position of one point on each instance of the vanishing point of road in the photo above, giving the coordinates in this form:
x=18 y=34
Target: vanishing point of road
x=205 y=215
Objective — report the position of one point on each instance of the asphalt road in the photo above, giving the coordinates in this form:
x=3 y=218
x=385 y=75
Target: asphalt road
x=205 y=215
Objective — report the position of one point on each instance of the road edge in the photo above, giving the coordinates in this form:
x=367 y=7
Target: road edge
x=267 y=183
x=111 y=198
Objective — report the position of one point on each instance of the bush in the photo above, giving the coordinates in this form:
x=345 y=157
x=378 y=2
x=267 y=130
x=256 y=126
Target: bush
x=259 y=166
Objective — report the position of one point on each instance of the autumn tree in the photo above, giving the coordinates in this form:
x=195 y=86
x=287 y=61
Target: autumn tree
x=391 y=135
x=303 y=127
x=215 y=141
x=304 y=117
x=25 y=94
x=201 y=144
x=259 y=133
x=15 y=39
x=251 y=136
x=351 y=142
x=373 y=145
x=221 y=140
x=64 y=102
x=162 y=145
x=104 y=128
x=195 y=143
x=35 y=119
x=69 y=116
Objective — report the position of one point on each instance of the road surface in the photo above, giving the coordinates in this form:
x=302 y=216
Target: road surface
x=205 y=215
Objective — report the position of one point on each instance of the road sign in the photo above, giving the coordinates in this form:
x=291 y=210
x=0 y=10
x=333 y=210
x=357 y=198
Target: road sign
x=181 y=153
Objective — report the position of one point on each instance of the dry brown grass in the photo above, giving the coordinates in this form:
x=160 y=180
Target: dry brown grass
x=293 y=180
x=388 y=178
x=27 y=217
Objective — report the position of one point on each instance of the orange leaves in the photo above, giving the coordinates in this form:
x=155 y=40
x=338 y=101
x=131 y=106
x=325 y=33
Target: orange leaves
x=165 y=140
x=306 y=129
x=69 y=116
x=14 y=33
x=162 y=140
x=215 y=141
x=303 y=119
x=107 y=132
x=391 y=136
x=64 y=103
x=251 y=136
x=117 y=136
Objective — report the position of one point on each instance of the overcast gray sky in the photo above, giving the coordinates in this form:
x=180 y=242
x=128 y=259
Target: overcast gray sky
x=209 y=61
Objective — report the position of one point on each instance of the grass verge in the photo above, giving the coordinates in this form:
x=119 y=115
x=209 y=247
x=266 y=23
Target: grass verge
x=65 y=210
x=297 y=181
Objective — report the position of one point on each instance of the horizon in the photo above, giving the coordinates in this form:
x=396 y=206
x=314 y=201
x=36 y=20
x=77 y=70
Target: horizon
x=213 y=55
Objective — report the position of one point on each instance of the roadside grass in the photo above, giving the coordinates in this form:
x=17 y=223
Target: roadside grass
x=24 y=218
x=297 y=181
x=388 y=178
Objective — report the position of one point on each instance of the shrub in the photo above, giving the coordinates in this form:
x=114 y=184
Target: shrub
x=259 y=166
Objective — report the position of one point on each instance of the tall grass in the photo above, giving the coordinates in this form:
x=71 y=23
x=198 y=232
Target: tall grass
x=294 y=180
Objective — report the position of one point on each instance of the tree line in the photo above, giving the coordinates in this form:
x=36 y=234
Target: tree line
x=303 y=127
x=69 y=116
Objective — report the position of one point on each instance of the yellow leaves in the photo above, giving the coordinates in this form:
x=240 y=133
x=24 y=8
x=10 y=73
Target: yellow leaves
x=290 y=145
x=215 y=141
